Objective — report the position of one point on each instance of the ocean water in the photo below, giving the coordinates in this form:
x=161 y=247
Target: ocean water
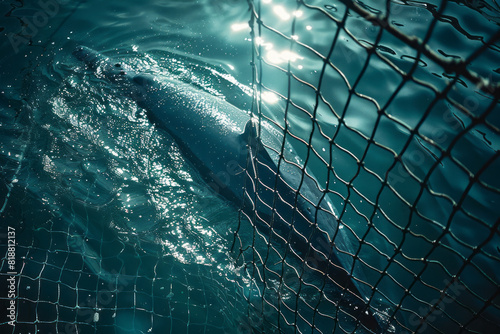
x=108 y=214
x=116 y=232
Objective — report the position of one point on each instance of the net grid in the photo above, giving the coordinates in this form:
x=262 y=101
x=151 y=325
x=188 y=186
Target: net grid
x=451 y=290
x=410 y=270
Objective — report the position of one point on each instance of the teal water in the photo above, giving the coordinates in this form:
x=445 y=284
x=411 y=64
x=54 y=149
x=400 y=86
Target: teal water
x=117 y=233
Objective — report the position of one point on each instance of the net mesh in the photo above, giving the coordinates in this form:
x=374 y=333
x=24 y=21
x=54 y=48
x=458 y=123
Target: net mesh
x=73 y=275
x=72 y=272
x=381 y=215
x=403 y=141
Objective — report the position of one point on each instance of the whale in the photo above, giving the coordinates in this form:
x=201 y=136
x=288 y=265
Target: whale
x=240 y=159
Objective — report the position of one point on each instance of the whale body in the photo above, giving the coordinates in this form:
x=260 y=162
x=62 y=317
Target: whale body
x=222 y=143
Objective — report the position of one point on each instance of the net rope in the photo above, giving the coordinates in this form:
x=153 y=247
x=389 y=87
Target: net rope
x=423 y=304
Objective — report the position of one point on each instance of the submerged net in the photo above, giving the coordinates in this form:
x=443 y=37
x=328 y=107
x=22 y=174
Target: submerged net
x=392 y=114
x=383 y=216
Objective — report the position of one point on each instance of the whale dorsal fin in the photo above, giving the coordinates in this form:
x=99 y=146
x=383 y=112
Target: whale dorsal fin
x=249 y=136
x=252 y=142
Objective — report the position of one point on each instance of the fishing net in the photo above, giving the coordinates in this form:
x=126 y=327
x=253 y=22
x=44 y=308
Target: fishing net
x=396 y=122
x=375 y=209
x=70 y=261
